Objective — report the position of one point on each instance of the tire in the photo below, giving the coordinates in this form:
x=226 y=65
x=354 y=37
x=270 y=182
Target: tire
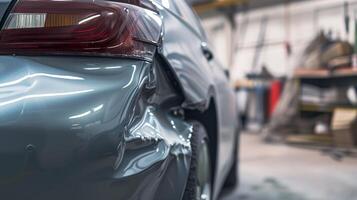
x=199 y=183
x=232 y=179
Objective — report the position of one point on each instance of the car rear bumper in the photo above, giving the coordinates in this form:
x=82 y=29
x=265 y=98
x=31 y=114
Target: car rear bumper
x=71 y=128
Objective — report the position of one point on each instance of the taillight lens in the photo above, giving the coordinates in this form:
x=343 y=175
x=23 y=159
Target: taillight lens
x=84 y=27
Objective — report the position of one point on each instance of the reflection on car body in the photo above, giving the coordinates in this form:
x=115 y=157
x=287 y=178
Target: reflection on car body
x=126 y=114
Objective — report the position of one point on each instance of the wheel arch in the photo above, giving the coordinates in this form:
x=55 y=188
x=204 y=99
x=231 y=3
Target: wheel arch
x=209 y=119
x=205 y=112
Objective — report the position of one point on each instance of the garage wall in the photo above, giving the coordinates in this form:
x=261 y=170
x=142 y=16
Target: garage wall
x=295 y=23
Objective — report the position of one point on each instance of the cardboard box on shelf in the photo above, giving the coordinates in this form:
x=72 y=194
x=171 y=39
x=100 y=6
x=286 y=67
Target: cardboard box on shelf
x=344 y=124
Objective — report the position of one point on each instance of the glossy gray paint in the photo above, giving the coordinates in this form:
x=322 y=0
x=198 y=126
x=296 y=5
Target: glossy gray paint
x=4 y=4
x=82 y=128
x=202 y=80
x=89 y=128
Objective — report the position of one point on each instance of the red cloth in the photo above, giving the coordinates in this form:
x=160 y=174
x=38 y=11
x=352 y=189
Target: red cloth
x=274 y=95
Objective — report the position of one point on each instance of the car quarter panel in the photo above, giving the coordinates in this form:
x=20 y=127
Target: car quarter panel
x=84 y=128
x=181 y=46
x=201 y=80
x=4 y=4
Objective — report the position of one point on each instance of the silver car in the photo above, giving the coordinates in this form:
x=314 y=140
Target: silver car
x=112 y=100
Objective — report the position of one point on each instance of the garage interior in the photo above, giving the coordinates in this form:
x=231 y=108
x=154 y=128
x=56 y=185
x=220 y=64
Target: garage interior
x=293 y=64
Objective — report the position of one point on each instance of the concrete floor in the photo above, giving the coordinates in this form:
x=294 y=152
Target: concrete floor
x=280 y=172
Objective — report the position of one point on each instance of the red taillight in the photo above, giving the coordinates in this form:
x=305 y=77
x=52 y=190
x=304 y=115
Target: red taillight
x=84 y=27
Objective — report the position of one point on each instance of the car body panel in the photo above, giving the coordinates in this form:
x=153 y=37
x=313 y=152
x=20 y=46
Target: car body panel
x=182 y=49
x=72 y=128
x=4 y=4
x=202 y=80
x=94 y=127
x=228 y=124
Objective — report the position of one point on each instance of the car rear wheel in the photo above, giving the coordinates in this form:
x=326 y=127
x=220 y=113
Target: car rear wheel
x=199 y=185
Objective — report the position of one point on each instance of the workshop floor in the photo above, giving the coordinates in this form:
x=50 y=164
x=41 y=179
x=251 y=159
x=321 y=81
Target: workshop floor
x=280 y=172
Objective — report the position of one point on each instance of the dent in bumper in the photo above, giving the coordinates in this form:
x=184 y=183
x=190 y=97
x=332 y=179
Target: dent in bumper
x=87 y=145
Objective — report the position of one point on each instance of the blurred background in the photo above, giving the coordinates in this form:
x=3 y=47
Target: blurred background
x=293 y=64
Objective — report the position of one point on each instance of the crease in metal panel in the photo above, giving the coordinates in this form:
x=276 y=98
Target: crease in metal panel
x=83 y=128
